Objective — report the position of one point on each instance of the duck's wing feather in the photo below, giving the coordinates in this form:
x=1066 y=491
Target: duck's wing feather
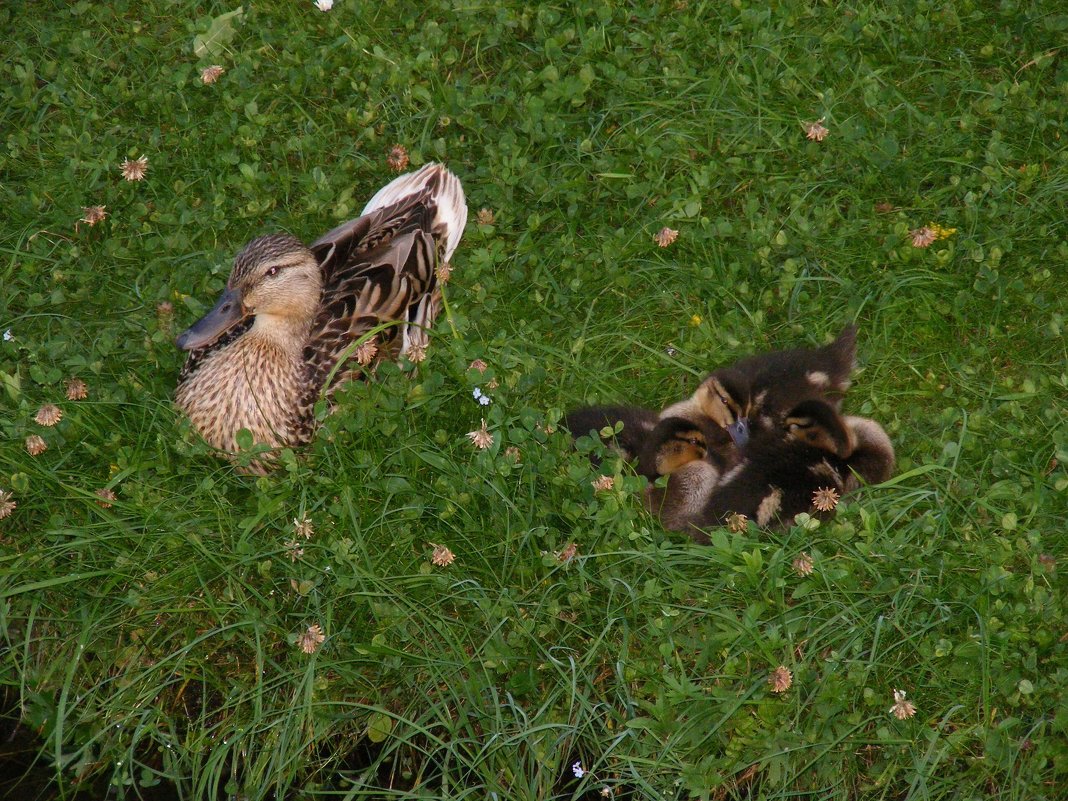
x=381 y=268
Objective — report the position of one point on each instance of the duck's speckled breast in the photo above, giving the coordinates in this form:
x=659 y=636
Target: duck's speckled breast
x=251 y=383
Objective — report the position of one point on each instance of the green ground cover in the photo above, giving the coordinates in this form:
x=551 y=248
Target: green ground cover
x=155 y=643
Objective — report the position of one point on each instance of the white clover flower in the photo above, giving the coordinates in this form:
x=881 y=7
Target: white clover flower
x=8 y=336
x=324 y=5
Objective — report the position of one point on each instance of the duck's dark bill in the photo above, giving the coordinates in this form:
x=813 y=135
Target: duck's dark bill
x=226 y=312
x=739 y=431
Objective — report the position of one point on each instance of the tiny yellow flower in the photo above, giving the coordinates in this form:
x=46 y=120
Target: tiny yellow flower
x=941 y=232
x=695 y=320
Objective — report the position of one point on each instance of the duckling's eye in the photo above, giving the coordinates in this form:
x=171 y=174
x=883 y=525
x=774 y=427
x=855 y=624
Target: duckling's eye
x=272 y=272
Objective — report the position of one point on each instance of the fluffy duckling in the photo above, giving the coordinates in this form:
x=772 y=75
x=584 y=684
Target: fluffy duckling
x=803 y=466
x=285 y=330
x=723 y=399
x=694 y=455
x=677 y=441
x=638 y=424
x=758 y=390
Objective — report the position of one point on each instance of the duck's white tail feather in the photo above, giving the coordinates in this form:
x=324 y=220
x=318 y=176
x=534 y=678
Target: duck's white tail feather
x=445 y=187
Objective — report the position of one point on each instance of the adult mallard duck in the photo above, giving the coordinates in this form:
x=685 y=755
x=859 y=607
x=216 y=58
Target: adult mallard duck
x=286 y=328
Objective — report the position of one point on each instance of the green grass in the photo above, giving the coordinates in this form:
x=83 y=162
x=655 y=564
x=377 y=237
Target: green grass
x=154 y=642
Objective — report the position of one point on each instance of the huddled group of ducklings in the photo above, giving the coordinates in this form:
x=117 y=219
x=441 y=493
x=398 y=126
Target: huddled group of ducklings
x=758 y=438
x=763 y=438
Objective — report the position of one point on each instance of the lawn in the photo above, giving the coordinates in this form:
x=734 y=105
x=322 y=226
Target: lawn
x=172 y=628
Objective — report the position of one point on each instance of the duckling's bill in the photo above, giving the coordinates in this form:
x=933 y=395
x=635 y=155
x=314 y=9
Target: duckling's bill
x=225 y=313
x=739 y=431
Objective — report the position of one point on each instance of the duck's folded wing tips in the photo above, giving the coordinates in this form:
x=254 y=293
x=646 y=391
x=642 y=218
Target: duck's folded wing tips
x=451 y=211
x=442 y=187
x=421 y=316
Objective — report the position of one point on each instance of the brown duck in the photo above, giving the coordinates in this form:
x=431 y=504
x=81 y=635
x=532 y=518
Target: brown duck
x=296 y=321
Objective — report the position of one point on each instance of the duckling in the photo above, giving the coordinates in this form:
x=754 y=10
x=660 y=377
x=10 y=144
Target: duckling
x=872 y=460
x=781 y=379
x=658 y=446
x=681 y=501
x=284 y=331
x=693 y=454
x=724 y=399
x=638 y=423
x=758 y=389
x=782 y=469
x=673 y=443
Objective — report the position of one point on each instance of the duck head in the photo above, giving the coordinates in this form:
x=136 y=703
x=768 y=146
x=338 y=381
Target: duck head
x=817 y=424
x=679 y=443
x=724 y=399
x=275 y=278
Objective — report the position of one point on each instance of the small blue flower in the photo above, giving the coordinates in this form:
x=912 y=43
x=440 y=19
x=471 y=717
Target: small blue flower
x=578 y=770
x=483 y=399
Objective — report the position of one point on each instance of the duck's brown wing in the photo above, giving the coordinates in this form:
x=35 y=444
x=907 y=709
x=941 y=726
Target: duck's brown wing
x=378 y=269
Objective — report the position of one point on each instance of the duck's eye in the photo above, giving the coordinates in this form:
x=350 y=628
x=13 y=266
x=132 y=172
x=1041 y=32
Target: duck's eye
x=272 y=272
